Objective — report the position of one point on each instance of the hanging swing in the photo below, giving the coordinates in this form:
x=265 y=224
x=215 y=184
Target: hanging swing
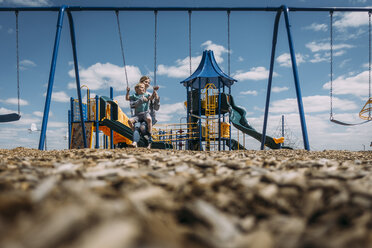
x=14 y=116
x=367 y=107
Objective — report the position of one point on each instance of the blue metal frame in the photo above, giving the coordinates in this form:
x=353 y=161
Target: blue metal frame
x=51 y=77
x=297 y=81
x=69 y=127
x=76 y=66
x=219 y=114
x=266 y=9
x=97 y=123
x=200 y=120
x=111 y=117
x=69 y=9
x=268 y=92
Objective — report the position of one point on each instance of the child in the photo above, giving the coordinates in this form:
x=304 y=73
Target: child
x=140 y=103
x=154 y=103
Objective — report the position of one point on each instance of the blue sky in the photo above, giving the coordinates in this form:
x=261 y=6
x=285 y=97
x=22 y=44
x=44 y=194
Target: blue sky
x=101 y=66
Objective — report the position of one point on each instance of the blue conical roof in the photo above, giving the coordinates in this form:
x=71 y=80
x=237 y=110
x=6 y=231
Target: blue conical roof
x=208 y=71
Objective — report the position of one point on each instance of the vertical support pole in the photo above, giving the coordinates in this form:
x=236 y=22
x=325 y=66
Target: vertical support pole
x=97 y=123
x=219 y=114
x=268 y=92
x=296 y=79
x=200 y=120
x=229 y=120
x=72 y=109
x=51 y=77
x=188 y=126
x=76 y=66
x=69 y=129
x=111 y=117
x=223 y=141
x=282 y=130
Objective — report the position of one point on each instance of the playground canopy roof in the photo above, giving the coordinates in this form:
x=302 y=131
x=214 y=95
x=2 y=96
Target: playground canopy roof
x=208 y=71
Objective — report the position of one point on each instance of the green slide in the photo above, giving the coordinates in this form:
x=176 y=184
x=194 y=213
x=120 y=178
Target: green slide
x=237 y=117
x=235 y=145
x=124 y=130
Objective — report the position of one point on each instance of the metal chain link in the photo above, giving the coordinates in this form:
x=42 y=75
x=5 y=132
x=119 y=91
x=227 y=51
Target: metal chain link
x=191 y=95
x=17 y=54
x=122 y=47
x=190 y=41
x=155 y=42
x=369 y=64
x=228 y=41
x=331 y=60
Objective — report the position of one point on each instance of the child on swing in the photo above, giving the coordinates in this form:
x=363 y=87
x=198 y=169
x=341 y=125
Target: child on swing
x=140 y=102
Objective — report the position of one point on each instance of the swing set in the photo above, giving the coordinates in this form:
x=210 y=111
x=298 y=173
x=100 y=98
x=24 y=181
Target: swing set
x=279 y=10
x=15 y=116
x=365 y=113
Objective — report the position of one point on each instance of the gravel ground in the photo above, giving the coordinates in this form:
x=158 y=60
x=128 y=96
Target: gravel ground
x=141 y=198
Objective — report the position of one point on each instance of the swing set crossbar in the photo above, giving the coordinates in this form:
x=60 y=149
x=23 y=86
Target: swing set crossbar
x=268 y=9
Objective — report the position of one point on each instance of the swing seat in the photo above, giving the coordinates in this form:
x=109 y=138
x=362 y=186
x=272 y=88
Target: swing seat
x=9 y=117
x=366 y=110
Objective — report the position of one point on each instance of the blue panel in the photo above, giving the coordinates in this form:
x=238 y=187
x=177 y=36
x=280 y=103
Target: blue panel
x=208 y=71
x=76 y=112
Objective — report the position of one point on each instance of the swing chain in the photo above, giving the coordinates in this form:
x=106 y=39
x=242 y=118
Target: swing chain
x=17 y=48
x=190 y=41
x=191 y=91
x=155 y=42
x=369 y=64
x=228 y=41
x=121 y=46
x=331 y=64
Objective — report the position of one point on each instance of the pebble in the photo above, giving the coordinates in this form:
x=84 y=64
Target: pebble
x=162 y=198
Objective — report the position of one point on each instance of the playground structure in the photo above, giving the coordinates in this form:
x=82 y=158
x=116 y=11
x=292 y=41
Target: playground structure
x=209 y=129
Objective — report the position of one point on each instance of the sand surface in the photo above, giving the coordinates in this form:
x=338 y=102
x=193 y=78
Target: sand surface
x=139 y=198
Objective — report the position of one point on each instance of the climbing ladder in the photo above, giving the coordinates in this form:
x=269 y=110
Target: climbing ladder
x=210 y=100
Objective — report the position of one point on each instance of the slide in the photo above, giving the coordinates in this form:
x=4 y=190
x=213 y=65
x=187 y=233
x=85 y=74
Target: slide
x=235 y=145
x=237 y=117
x=123 y=130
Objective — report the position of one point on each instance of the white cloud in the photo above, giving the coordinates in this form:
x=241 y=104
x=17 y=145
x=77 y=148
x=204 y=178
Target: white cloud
x=15 y=101
x=122 y=102
x=59 y=96
x=249 y=92
x=57 y=124
x=240 y=59
x=101 y=76
x=351 y=19
x=4 y=111
x=319 y=58
x=181 y=69
x=311 y=104
x=355 y=85
x=218 y=50
x=27 y=63
x=256 y=73
x=40 y=114
x=29 y=3
x=279 y=89
x=317 y=27
x=285 y=59
x=169 y=111
x=316 y=47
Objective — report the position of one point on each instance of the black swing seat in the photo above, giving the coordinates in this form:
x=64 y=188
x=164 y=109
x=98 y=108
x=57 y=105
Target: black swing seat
x=9 y=117
x=348 y=124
